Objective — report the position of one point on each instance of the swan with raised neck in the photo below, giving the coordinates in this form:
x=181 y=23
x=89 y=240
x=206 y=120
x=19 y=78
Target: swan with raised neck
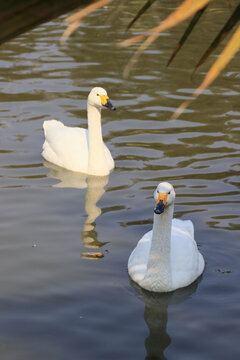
x=166 y=258
x=78 y=149
x=97 y=161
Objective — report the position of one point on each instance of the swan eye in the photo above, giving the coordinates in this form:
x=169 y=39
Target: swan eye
x=97 y=94
x=157 y=191
x=169 y=192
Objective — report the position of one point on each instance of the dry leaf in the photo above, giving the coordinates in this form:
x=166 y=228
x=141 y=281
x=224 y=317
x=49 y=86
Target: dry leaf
x=228 y=52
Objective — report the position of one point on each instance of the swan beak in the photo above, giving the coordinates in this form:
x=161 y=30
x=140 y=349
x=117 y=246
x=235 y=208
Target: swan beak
x=161 y=202
x=106 y=102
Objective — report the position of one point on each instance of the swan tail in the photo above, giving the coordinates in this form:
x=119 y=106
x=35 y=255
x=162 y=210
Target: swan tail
x=189 y=227
x=50 y=127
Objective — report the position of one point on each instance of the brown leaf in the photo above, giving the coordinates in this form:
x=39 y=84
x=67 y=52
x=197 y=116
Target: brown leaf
x=228 y=52
x=234 y=18
x=187 y=33
x=91 y=256
x=185 y=10
x=140 y=12
x=75 y=19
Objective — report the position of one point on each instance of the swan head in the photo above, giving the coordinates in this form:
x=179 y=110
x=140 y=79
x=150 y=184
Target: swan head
x=164 y=195
x=98 y=97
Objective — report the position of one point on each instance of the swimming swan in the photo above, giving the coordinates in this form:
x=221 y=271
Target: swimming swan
x=78 y=149
x=167 y=257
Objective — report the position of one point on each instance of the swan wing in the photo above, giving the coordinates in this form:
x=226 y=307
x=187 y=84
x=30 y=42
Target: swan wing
x=186 y=261
x=137 y=262
x=65 y=146
x=184 y=225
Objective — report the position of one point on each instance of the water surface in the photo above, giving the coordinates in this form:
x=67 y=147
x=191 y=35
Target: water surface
x=66 y=238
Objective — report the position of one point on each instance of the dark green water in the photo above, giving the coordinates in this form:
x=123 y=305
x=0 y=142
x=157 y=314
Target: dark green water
x=54 y=303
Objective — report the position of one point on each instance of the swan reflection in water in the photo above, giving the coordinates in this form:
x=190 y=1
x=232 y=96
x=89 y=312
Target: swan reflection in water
x=156 y=316
x=95 y=186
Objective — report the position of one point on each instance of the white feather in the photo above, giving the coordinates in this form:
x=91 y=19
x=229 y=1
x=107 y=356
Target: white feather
x=173 y=267
x=77 y=149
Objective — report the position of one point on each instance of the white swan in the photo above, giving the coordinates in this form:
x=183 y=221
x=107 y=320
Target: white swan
x=78 y=149
x=167 y=257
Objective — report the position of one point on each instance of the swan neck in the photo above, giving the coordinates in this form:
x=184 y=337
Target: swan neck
x=159 y=261
x=162 y=225
x=94 y=126
x=97 y=158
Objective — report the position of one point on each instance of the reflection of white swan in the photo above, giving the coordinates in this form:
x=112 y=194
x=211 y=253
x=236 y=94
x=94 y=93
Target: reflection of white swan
x=95 y=189
x=166 y=258
x=156 y=317
x=78 y=149
x=67 y=179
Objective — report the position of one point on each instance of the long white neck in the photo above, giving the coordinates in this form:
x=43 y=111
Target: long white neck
x=97 y=163
x=159 y=263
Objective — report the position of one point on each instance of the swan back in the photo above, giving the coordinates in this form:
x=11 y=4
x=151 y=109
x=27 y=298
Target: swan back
x=65 y=146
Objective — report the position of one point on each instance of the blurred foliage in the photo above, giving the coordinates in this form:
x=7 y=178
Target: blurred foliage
x=187 y=9
x=17 y=17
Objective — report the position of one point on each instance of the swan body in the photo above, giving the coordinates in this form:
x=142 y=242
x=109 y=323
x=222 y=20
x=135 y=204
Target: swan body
x=167 y=257
x=77 y=149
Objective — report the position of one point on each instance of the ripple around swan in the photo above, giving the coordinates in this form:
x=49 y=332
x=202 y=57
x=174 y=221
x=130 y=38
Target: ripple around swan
x=55 y=302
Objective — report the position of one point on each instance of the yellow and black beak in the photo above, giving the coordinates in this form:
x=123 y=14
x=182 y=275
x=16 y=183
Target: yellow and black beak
x=106 y=102
x=161 y=203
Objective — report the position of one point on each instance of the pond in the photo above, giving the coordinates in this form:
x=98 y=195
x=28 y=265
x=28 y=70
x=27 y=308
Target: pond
x=66 y=238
